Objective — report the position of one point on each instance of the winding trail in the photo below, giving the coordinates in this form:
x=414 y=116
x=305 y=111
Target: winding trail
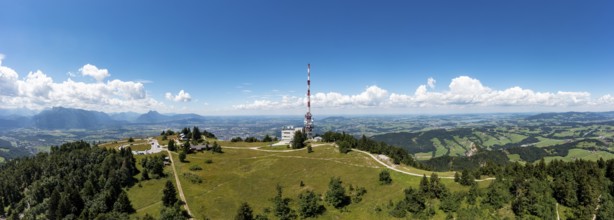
x=179 y=189
x=391 y=167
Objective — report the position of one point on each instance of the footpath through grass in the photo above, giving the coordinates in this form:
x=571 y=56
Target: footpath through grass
x=146 y=196
x=244 y=175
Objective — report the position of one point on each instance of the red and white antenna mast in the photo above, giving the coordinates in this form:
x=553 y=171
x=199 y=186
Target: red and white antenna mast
x=308 y=118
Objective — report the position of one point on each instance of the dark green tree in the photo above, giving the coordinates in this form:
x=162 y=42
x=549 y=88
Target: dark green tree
x=196 y=134
x=497 y=195
x=144 y=174
x=216 y=148
x=281 y=207
x=64 y=207
x=182 y=156
x=244 y=212
x=298 y=141
x=185 y=147
x=564 y=187
x=1 y=207
x=54 y=202
x=344 y=147
x=384 y=177
x=267 y=138
x=399 y=210
x=308 y=205
x=130 y=139
x=451 y=203
x=415 y=200
x=172 y=213
x=467 y=178
x=171 y=145
x=473 y=194
x=438 y=190
x=123 y=204
x=425 y=187
x=335 y=195
x=169 y=197
x=456 y=177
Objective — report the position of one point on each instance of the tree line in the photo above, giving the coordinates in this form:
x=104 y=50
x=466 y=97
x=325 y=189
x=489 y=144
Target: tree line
x=74 y=180
x=251 y=139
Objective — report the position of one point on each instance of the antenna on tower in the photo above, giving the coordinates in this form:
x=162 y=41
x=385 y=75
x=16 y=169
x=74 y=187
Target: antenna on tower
x=308 y=119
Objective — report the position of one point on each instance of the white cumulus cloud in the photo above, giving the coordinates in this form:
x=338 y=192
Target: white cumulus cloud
x=431 y=82
x=94 y=72
x=462 y=92
x=182 y=96
x=38 y=91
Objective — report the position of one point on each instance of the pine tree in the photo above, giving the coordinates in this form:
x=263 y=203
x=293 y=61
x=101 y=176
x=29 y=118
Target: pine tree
x=282 y=208
x=1 y=206
x=185 y=147
x=425 y=187
x=182 y=156
x=244 y=212
x=456 y=177
x=54 y=202
x=384 y=177
x=473 y=194
x=216 y=148
x=123 y=204
x=467 y=178
x=171 y=213
x=298 y=141
x=145 y=174
x=308 y=204
x=437 y=189
x=171 y=145
x=169 y=197
x=267 y=138
x=196 y=134
x=335 y=195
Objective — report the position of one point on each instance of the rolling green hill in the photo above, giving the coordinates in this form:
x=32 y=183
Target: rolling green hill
x=531 y=142
x=242 y=174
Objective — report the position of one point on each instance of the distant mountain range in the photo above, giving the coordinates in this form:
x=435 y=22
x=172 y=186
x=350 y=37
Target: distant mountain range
x=70 y=118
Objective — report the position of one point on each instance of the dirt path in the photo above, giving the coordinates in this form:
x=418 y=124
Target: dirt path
x=597 y=208
x=179 y=189
x=392 y=167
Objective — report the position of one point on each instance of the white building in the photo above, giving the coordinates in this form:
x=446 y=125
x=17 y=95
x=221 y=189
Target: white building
x=287 y=133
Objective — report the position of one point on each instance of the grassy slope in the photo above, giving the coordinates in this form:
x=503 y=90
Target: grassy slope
x=147 y=198
x=116 y=144
x=251 y=176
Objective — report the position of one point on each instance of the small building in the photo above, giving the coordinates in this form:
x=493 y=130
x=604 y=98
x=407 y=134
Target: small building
x=182 y=137
x=287 y=133
x=196 y=148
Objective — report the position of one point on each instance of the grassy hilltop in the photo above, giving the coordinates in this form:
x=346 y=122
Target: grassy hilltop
x=247 y=175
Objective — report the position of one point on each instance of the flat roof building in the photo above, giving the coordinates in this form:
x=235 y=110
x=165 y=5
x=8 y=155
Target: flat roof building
x=287 y=133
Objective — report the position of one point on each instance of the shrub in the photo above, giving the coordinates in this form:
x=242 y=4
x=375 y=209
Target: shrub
x=195 y=168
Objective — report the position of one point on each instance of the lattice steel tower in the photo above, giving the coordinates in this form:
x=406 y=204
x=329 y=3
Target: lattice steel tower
x=308 y=118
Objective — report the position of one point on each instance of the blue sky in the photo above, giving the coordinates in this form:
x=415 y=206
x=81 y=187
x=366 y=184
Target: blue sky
x=249 y=57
